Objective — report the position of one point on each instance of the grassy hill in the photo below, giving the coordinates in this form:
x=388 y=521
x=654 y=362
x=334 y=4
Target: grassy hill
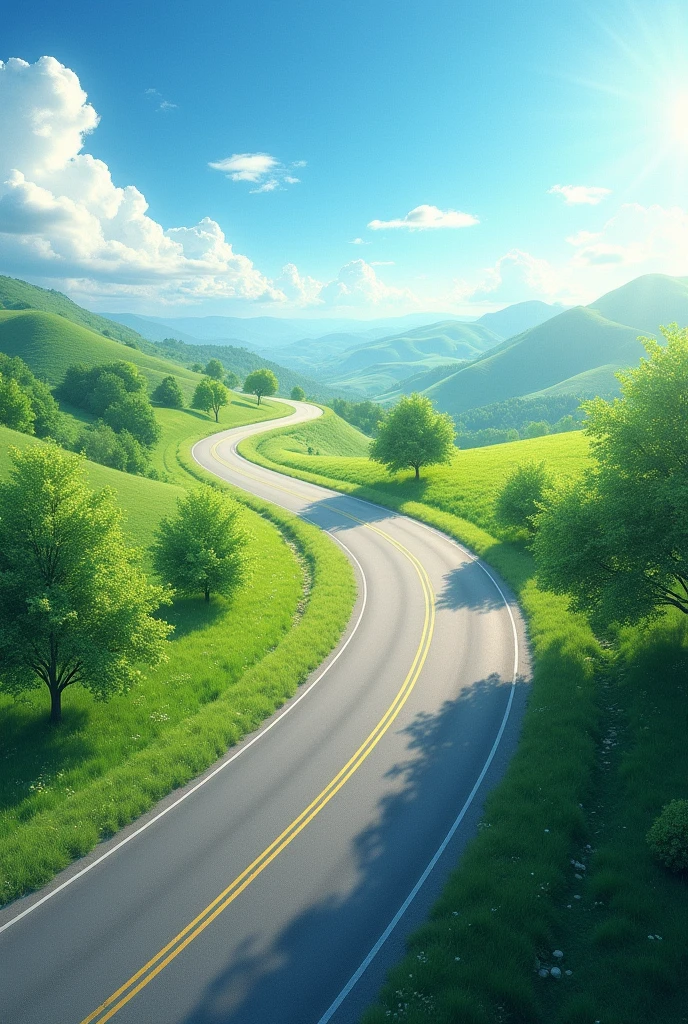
x=19 y=294
x=49 y=343
x=647 y=302
x=577 y=340
x=520 y=317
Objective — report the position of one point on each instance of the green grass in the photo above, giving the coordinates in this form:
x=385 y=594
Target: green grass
x=567 y=794
x=49 y=343
x=466 y=488
x=231 y=664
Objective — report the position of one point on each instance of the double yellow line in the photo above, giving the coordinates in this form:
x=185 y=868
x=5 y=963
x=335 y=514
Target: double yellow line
x=167 y=954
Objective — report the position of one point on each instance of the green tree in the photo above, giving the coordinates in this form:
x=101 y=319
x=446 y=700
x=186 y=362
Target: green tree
x=298 y=394
x=196 y=367
x=15 y=406
x=231 y=380
x=617 y=540
x=203 y=548
x=210 y=394
x=48 y=421
x=261 y=383
x=100 y=443
x=134 y=413
x=169 y=394
x=519 y=501
x=75 y=606
x=412 y=435
x=536 y=428
x=214 y=369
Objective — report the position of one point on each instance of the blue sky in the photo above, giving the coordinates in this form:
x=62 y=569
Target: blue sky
x=378 y=109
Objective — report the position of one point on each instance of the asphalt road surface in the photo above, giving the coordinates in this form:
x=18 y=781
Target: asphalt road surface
x=280 y=889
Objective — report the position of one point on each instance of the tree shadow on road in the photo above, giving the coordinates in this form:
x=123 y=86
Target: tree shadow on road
x=293 y=979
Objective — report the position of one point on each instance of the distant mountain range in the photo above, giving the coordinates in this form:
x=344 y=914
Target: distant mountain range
x=576 y=352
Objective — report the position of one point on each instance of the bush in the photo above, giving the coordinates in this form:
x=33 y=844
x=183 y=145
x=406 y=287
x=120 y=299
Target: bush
x=519 y=500
x=214 y=369
x=169 y=394
x=668 y=837
x=135 y=414
x=100 y=443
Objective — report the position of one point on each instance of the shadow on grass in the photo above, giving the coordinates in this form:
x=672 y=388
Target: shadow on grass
x=34 y=750
x=290 y=974
x=192 y=614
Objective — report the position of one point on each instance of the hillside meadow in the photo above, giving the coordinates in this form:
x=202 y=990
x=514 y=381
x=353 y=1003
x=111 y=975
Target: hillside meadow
x=229 y=665
x=560 y=861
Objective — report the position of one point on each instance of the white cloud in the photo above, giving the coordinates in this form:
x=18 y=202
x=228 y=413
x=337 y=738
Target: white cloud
x=265 y=171
x=357 y=284
x=246 y=166
x=382 y=263
x=641 y=239
x=576 y=195
x=299 y=289
x=516 y=276
x=358 y=241
x=62 y=217
x=163 y=104
x=424 y=217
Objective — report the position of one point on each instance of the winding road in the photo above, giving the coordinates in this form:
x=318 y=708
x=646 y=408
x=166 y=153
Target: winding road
x=280 y=885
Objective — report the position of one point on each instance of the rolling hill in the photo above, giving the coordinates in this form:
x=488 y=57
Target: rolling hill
x=49 y=343
x=575 y=341
x=576 y=352
x=16 y=294
x=520 y=317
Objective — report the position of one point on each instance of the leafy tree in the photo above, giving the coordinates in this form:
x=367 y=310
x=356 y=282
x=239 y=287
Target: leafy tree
x=519 y=501
x=412 y=434
x=169 y=394
x=214 y=369
x=98 y=387
x=617 y=541
x=134 y=413
x=210 y=394
x=231 y=380
x=48 y=421
x=364 y=415
x=261 y=383
x=203 y=548
x=100 y=443
x=536 y=428
x=298 y=394
x=75 y=606
x=15 y=406
x=196 y=367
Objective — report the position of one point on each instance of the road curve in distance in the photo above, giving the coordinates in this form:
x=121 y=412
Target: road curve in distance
x=260 y=894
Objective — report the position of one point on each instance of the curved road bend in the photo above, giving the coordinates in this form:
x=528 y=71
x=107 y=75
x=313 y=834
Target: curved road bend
x=256 y=899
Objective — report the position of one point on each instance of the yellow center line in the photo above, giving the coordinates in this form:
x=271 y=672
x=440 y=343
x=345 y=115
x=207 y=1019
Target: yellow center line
x=156 y=964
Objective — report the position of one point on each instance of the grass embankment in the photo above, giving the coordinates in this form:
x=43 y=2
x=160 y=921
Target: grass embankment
x=568 y=794
x=231 y=664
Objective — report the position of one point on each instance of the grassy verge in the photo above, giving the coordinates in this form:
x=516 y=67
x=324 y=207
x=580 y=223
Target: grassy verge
x=602 y=749
x=231 y=665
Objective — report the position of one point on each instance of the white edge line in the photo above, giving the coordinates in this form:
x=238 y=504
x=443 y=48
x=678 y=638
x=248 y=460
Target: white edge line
x=290 y=706
x=353 y=980
x=357 y=975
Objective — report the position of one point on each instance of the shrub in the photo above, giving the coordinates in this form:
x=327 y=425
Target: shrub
x=519 y=500
x=168 y=393
x=668 y=837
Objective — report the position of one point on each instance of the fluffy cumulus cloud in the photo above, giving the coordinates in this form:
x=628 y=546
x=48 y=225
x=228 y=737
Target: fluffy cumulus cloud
x=264 y=171
x=639 y=239
x=62 y=217
x=516 y=276
x=357 y=284
x=578 y=195
x=424 y=218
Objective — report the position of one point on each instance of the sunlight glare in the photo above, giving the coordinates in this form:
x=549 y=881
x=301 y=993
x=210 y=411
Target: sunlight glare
x=678 y=119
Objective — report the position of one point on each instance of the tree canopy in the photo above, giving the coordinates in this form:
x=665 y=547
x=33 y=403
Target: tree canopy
x=168 y=393
x=261 y=383
x=298 y=394
x=518 y=502
x=210 y=395
x=202 y=549
x=617 y=541
x=412 y=435
x=75 y=605
x=232 y=380
x=214 y=369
